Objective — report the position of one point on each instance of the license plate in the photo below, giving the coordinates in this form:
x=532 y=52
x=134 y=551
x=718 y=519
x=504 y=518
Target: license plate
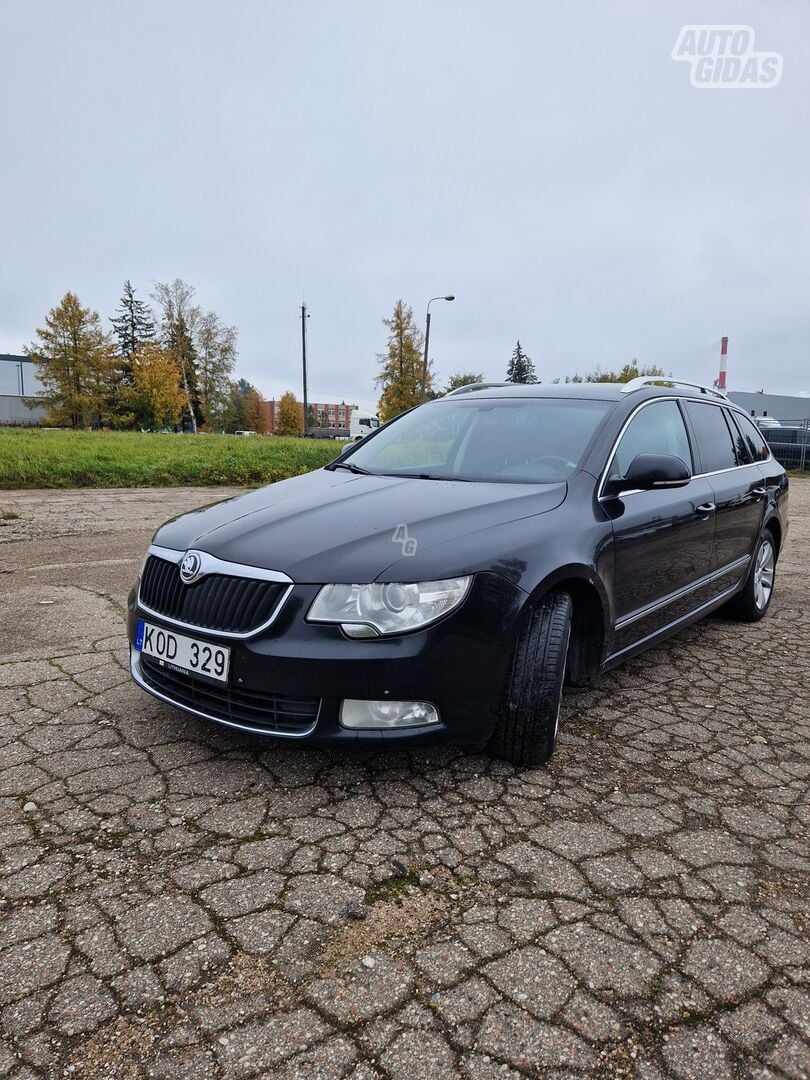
x=180 y=653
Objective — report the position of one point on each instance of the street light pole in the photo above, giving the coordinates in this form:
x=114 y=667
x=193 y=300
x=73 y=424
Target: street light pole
x=427 y=343
x=304 y=317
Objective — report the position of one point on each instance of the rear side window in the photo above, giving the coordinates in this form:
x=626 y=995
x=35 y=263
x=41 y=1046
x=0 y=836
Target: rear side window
x=715 y=445
x=757 y=447
x=657 y=428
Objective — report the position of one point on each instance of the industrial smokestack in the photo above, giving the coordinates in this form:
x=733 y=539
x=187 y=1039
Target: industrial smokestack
x=721 y=380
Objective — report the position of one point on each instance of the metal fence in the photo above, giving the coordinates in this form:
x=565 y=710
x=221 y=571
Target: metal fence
x=790 y=443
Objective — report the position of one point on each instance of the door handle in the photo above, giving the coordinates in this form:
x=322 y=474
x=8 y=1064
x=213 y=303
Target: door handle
x=759 y=492
x=705 y=508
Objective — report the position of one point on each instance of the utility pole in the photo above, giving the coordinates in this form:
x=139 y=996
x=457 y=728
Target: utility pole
x=304 y=317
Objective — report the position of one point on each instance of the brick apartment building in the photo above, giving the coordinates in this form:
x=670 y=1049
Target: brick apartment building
x=323 y=415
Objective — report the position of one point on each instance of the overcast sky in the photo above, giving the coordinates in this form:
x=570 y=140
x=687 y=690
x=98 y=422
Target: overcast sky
x=548 y=163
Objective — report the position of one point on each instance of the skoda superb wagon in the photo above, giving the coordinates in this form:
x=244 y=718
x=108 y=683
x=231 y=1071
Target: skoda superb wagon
x=445 y=577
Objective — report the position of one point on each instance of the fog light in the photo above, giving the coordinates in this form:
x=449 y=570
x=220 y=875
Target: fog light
x=387 y=714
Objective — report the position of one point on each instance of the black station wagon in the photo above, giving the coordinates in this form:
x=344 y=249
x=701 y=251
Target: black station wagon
x=444 y=577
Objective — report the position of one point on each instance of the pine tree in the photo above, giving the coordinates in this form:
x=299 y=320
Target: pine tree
x=76 y=365
x=521 y=367
x=134 y=325
x=401 y=375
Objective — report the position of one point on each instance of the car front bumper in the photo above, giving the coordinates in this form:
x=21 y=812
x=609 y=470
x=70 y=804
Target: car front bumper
x=458 y=665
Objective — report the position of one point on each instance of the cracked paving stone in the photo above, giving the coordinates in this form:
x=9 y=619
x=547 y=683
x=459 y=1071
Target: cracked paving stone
x=420 y=1055
x=321 y=896
x=81 y=1004
x=264 y=1045
x=176 y=898
x=725 y=970
x=358 y=993
x=696 y=1054
x=529 y=1044
x=605 y=962
x=32 y=966
x=162 y=925
x=536 y=981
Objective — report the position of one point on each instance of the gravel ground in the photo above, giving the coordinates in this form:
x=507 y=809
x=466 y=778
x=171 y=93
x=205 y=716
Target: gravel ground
x=179 y=902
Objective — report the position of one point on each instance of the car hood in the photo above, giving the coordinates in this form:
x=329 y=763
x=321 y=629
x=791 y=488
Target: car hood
x=335 y=526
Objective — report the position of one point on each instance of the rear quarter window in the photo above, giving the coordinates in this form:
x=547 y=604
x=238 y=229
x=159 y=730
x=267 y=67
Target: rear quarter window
x=714 y=441
x=757 y=447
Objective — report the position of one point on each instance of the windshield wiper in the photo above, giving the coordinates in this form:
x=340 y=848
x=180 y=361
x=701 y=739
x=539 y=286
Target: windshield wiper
x=350 y=466
x=431 y=476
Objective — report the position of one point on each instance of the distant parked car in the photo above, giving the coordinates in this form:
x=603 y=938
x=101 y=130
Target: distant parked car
x=244 y=433
x=442 y=578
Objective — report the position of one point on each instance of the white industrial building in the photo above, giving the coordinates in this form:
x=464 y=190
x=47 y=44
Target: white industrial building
x=18 y=382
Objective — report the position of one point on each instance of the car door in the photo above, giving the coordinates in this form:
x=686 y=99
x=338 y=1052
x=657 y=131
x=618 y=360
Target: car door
x=738 y=489
x=662 y=539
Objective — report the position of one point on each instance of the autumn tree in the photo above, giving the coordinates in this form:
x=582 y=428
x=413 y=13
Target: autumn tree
x=628 y=372
x=155 y=394
x=215 y=357
x=179 y=320
x=521 y=367
x=75 y=364
x=463 y=378
x=290 y=415
x=205 y=350
x=401 y=374
x=255 y=415
x=133 y=326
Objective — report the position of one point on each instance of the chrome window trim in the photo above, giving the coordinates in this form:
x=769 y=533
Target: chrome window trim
x=695 y=476
x=212 y=565
x=707 y=579
x=135 y=671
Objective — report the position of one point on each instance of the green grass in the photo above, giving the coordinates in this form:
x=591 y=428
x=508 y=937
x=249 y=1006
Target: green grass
x=41 y=458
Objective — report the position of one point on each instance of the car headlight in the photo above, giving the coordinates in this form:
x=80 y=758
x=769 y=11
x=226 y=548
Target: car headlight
x=388 y=608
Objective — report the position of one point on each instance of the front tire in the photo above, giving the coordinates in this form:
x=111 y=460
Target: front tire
x=526 y=731
x=754 y=599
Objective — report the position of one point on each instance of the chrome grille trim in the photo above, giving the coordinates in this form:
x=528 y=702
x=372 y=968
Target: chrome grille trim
x=212 y=565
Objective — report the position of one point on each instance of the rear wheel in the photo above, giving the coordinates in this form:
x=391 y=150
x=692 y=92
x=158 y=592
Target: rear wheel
x=751 y=603
x=526 y=730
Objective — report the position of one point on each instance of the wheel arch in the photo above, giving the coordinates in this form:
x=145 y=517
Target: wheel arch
x=590 y=620
x=775 y=527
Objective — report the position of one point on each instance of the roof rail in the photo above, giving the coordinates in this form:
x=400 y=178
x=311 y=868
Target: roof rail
x=474 y=386
x=669 y=380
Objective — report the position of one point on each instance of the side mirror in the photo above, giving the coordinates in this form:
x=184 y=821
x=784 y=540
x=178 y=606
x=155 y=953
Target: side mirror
x=650 y=472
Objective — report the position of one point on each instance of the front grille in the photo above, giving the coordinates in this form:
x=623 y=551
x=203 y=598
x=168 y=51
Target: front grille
x=234 y=605
x=268 y=712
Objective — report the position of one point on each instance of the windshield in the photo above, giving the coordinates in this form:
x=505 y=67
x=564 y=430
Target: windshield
x=529 y=440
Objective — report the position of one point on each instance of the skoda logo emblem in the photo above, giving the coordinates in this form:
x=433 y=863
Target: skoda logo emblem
x=190 y=567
